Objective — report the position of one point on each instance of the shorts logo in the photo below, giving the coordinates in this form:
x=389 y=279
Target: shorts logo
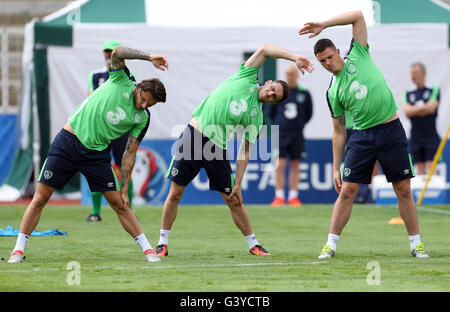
x=110 y=184
x=227 y=190
x=406 y=171
x=351 y=68
x=238 y=108
x=174 y=172
x=347 y=172
x=48 y=174
x=137 y=118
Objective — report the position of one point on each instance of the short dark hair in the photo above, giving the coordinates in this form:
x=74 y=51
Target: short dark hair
x=155 y=87
x=421 y=66
x=285 y=89
x=322 y=44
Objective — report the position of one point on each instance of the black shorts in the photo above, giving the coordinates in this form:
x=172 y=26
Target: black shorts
x=386 y=143
x=118 y=147
x=67 y=155
x=195 y=151
x=291 y=144
x=424 y=150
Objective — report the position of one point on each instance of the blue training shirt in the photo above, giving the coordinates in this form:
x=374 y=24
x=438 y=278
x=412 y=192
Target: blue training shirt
x=293 y=113
x=423 y=127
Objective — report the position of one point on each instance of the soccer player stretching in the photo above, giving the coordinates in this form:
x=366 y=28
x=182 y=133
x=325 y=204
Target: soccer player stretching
x=235 y=104
x=115 y=108
x=359 y=87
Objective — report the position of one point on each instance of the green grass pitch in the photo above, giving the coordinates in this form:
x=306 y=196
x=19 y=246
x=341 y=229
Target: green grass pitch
x=207 y=253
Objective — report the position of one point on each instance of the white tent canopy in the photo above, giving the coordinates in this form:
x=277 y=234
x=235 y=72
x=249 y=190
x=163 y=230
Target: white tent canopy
x=248 y=13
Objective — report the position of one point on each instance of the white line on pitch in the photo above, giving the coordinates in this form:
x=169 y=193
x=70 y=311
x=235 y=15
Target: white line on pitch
x=433 y=210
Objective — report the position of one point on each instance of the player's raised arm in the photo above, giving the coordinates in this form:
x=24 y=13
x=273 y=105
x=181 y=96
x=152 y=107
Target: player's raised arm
x=259 y=57
x=120 y=54
x=354 y=18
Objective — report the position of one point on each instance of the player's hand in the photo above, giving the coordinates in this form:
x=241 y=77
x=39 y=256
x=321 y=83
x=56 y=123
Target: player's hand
x=236 y=195
x=313 y=28
x=125 y=200
x=337 y=182
x=304 y=64
x=159 y=62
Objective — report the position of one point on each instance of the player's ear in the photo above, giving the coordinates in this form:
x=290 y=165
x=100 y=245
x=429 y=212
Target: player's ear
x=338 y=52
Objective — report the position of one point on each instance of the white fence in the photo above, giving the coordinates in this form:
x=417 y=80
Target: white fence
x=11 y=40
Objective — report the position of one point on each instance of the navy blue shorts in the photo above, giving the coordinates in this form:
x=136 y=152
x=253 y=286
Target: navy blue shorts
x=386 y=143
x=291 y=144
x=423 y=150
x=67 y=155
x=195 y=151
x=118 y=147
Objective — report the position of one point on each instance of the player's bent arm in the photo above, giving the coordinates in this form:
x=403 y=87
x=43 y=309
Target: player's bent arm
x=355 y=18
x=428 y=108
x=128 y=160
x=259 y=57
x=120 y=54
x=409 y=110
x=431 y=107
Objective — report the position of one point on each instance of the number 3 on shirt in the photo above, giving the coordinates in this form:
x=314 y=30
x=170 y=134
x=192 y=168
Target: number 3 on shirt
x=359 y=89
x=116 y=117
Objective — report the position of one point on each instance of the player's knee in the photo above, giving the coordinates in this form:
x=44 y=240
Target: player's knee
x=348 y=191
x=232 y=203
x=402 y=189
x=175 y=196
x=40 y=200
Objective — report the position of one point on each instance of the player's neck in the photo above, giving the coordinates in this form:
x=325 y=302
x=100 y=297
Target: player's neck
x=339 y=68
x=420 y=86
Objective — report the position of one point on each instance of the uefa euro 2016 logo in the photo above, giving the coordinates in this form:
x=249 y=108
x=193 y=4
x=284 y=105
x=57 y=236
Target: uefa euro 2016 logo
x=149 y=184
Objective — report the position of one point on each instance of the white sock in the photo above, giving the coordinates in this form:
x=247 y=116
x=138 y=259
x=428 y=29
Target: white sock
x=414 y=240
x=293 y=194
x=143 y=242
x=21 y=242
x=332 y=240
x=251 y=240
x=164 y=237
x=279 y=193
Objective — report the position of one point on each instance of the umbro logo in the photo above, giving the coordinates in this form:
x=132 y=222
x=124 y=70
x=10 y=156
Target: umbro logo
x=406 y=171
x=110 y=184
x=126 y=95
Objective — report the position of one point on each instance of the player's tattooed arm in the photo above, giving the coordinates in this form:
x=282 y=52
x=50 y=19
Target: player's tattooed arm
x=126 y=169
x=120 y=54
x=341 y=120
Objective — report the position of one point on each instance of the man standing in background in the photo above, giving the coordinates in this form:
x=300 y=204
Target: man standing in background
x=421 y=106
x=291 y=115
x=96 y=79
